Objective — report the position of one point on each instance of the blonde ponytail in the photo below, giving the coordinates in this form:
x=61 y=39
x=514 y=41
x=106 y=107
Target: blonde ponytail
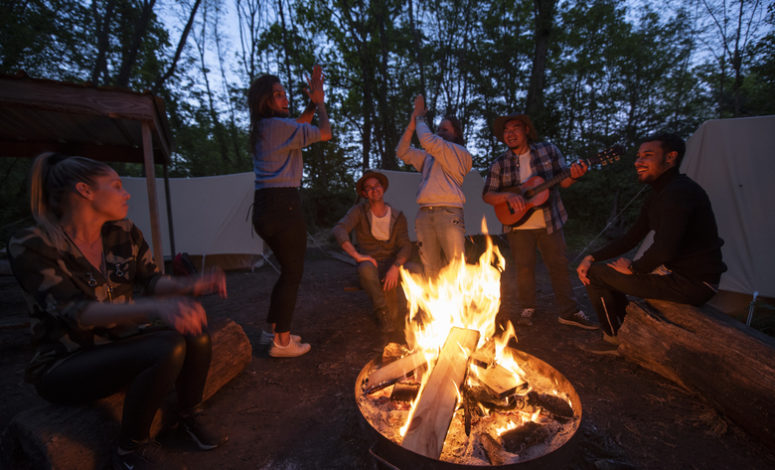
x=52 y=178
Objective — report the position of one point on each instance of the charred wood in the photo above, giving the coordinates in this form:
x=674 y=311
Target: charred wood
x=405 y=391
x=529 y=434
x=551 y=403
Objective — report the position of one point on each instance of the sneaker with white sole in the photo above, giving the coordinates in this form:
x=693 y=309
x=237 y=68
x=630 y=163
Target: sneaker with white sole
x=205 y=437
x=267 y=337
x=146 y=455
x=600 y=347
x=526 y=317
x=293 y=349
x=579 y=319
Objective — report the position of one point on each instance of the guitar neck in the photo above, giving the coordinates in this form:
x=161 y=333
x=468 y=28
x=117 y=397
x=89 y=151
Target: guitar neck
x=565 y=173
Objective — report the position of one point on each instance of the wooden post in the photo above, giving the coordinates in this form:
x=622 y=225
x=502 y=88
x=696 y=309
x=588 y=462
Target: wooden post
x=730 y=365
x=430 y=421
x=153 y=203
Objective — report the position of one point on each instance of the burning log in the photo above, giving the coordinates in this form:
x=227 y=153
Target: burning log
x=430 y=421
x=499 y=380
x=484 y=357
x=390 y=373
x=405 y=391
x=529 y=434
x=494 y=450
x=551 y=403
x=708 y=353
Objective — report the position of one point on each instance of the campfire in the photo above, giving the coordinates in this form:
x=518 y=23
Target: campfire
x=456 y=392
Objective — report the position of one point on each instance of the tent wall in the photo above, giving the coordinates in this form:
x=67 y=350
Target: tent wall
x=211 y=215
x=734 y=161
x=402 y=194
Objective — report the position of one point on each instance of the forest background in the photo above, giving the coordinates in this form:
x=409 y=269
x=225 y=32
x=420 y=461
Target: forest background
x=591 y=73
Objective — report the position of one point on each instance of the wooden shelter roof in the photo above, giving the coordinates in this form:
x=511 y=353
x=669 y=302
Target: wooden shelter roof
x=108 y=124
x=38 y=115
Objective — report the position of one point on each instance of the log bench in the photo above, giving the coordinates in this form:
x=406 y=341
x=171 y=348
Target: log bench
x=730 y=365
x=81 y=437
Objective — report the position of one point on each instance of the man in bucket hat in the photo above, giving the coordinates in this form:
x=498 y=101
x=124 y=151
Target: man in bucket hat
x=383 y=246
x=541 y=230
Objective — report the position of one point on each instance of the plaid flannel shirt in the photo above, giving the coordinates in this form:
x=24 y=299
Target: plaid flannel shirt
x=546 y=160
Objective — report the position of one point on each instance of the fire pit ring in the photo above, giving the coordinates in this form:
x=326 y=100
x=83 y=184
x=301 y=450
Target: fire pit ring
x=392 y=455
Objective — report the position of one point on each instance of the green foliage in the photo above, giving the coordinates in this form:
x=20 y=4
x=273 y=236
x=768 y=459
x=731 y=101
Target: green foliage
x=613 y=74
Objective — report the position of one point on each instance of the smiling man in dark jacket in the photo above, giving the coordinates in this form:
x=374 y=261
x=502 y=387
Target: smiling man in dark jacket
x=683 y=264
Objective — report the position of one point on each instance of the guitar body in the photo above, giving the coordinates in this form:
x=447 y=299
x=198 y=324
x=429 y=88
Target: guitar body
x=507 y=216
x=535 y=190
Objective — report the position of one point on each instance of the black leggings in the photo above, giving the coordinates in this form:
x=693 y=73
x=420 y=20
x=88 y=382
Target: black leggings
x=148 y=365
x=279 y=221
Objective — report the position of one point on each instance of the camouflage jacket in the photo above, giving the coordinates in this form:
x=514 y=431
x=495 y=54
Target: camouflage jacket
x=59 y=284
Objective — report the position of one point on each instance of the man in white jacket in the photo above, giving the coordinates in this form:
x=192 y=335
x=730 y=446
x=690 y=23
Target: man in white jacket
x=443 y=162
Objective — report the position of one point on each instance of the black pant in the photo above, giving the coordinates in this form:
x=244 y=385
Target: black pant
x=608 y=289
x=148 y=365
x=279 y=221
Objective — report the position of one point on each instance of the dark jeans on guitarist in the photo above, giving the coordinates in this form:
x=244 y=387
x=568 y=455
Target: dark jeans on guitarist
x=523 y=245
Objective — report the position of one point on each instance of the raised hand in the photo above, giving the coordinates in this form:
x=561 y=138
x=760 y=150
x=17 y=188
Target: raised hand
x=419 y=106
x=315 y=85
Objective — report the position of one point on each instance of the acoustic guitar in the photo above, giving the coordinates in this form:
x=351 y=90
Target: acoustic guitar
x=535 y=190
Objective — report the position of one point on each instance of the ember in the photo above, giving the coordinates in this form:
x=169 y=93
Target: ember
x=456 y=392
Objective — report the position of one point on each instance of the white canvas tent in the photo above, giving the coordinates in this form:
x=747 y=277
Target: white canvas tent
x=402 y=194
x=210 y=216
x=734 y=161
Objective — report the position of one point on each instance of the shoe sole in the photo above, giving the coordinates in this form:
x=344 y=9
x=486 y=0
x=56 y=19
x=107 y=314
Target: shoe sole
x=600 y=352
x=201 y=445
x=573 y=323
x=282 y=353
x=267 y=340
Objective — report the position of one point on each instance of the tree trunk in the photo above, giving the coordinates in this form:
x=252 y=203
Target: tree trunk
x=130 y=55
x=181 y=44
x=544 y=18
x=728 y=364
x=103 y=24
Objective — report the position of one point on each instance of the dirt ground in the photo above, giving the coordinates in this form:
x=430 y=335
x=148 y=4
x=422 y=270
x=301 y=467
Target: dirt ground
x=300 y=413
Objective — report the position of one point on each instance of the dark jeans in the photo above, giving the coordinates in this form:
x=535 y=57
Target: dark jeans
x=386 y=303
x=608 y=289
x=279 y=221
x=148 y=365
x=523 y=244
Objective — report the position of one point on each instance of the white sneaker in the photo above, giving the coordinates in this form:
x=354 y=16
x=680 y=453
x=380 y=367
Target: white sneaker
x=293 y=349
x=267 y=337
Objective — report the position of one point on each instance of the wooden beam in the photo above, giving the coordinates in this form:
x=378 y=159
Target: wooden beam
x=499 y=380
x=430 y=421
x=729 y=364
x=393 y=371
x=153 y=202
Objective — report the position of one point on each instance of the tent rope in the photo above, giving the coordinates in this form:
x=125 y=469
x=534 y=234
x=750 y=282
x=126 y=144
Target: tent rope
x=607 y=225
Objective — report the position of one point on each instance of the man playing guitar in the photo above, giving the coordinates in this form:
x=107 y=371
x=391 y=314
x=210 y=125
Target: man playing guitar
x=541 y=230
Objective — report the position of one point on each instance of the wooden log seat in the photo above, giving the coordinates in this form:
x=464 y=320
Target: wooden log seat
x=727 y=363
x=81 y=437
